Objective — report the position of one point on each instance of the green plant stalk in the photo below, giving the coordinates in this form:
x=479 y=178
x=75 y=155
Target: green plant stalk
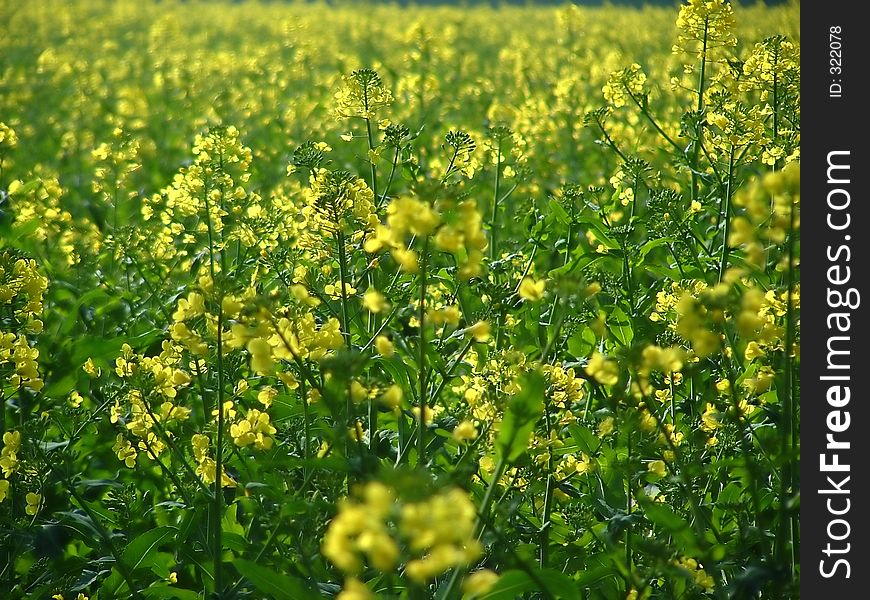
x=125 y=572
x=386 y=191
x=174 y=450
x=482 y=516
x=493 y=220
x=628 y=507
x=370 y=138
x=306 y=428
x=548 y=492
x=423 y=402
x=342 y=273
x=700 y=128
x=217 y=494
x=787 y=527
x=645 y=111
x=699 y=522
x=726 y=209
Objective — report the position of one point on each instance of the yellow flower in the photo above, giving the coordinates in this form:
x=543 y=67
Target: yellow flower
x=657 y=467
x=753 y=351
x=465 y=431
x=531 y=289
x=480 y=331
x=384 y=346
x=267 y=395
x=602 y=369
x=11 y=441
x=375 y=302
x=91 y=369
x=710 y=418
x=392 y=397
x=358 y=392
x=606 y=427
x=4 y=489
x=75 y=399
x=125 y=451
x=354 y=589
x=261 y=356
x=479 y=582
x=33 y=502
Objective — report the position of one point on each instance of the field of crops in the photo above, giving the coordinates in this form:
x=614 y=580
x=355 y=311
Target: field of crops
x=302 y=301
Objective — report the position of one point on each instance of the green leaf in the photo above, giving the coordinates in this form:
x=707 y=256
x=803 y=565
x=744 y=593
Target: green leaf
x=523 y=411
x=167 y=592
x=559 y=584
x=620 y=326
x=513 y=583
x=510 y=585
x=27 y=187
x=134 y=555
x=665 y=517
x=582 y=342
x=649 y=246
x=145 y=545
x=275 y=585
x=559 y=213
x=584 y=438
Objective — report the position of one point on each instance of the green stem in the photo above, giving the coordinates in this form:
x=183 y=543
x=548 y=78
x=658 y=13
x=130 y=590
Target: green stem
x=789 y=451
x=422 y=401
x=628 y=507
x=217 y=499
x=306 y=428
x=700 y=127
x=726 y=209
x=494 y=216
x=125 y=572
x=481 y=517
x=342 y=270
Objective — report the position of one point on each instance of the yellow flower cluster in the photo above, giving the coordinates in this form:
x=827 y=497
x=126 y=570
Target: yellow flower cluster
x=203 y=198
x=361 y=532
x=206 y=467
x=441 y=529
x=437 y=533
x=602 y=369
x=701 y=578
x=362 y=95
x=22 y=288
x=457 y=229
x=151 y=400
x=8 y=137
x=255 y=428
x=9 y=460
x=768 y=204
x=623 y=84
x=337 y=206
x=564 y=388
x=703 y=25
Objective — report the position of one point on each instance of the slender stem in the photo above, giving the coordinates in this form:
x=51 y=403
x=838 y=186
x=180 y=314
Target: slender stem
x=700 y=127
x=370 y=138
x=217 y=499
x=342 y=270
x=306 y=428
x=390 y=178
x=726 y=205
x=482 y=515
x=628 y=507
x=653 y=122
x=423 y=403
x=548 y=491
x=125 y=572
x=494 y=216
x=788 y=482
